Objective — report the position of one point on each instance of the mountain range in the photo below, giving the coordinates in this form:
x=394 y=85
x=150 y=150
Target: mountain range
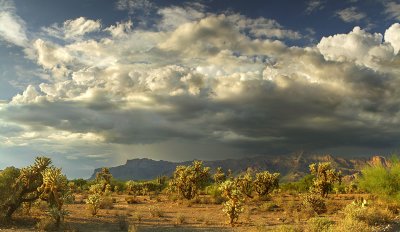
x=292 y=167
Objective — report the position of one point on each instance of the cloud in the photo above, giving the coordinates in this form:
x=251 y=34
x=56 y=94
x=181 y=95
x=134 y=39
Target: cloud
x=73 y=29
x=359 y=47
x=350 y=14
x=174 y=16
x=392 y=10
x=134 y=6
x=13 y=29
x=314 y=5
x=392 y=35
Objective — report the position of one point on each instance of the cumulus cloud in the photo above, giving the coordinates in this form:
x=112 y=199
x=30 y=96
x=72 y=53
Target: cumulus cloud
x=350 y=14
x=13 y=29
x=392 y=35
x=359 y=47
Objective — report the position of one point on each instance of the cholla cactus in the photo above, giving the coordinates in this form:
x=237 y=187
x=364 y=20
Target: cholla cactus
x=245 y=183
x=93 y=202
x=188 y=179
x=104 y=178
x=234 y=204
x=25 y=187
x=266 y=182
x=325 y=177
x=219 y=176
x=53 y=189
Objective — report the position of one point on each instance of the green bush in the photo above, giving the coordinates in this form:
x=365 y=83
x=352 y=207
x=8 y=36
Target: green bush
x=319 y=224
x=301 y=186
x=382 y=181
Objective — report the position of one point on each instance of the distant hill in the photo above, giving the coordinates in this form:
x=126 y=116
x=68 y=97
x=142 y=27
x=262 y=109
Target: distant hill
x=292 y=167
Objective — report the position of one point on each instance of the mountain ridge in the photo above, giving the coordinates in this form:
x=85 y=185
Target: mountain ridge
x=292 y=167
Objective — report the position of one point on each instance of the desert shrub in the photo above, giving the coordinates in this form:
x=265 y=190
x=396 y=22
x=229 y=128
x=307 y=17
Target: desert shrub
x=156 y=211
x=138 y=217
x=131 y=200
x=234 y=204
x=80 y=184
x=187 y=180
x=319 y=224
x=324 y=178
x=284 y=228
x=300 y=186
x=45 y=224
x=352 y=187
x=215 y=192
x=348 y=224
x=381 y=181
x=268 y=207
x=371 y=214
x=117 y=185
x=266 y=182
x=314 y=202
x=106 y=202
x=137 y=188
x=180 y=219
x=353 y=219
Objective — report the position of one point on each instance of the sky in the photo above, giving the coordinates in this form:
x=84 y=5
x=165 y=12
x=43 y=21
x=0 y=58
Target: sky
x=92 y=83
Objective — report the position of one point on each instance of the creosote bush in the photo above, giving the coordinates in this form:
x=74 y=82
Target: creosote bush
x=314 y=202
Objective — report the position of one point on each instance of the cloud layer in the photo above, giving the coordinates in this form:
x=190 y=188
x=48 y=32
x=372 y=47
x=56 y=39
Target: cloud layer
x=221 y=80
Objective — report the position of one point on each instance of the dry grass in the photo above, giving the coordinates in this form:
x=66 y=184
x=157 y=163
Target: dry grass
x=281 y=213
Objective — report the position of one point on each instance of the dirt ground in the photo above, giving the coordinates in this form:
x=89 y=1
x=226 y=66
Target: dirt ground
x=180 y=215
